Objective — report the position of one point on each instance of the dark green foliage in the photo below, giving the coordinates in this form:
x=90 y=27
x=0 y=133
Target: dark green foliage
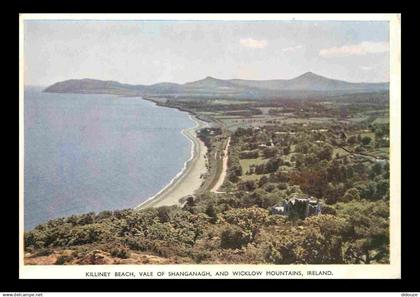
x=232 y=237
x=298 y=211
x=352 y=232
x=325 y=153
x=122 y=253
x=211 y=212
x=367 y=232
x=328 y=210
x=366 y=140
x=248 y=185
x=269 y=152
x=249 y=154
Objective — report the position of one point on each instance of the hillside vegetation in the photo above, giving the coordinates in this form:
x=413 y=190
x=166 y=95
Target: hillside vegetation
x=220 y=230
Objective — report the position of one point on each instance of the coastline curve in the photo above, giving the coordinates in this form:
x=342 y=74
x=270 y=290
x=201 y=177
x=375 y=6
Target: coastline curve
x=189 y=179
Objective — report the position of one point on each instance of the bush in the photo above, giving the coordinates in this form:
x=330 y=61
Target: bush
x=122 y=253
x=249 y=154
x=351 y=194
x=232 y=237
x=164 y=213
x=248 y=185
x=326 y=209
x=366 y=140
x=270 y=187
x=60 y=260
x=211 y=212
x=43 y=252
x=269 y=152
x=282 y=186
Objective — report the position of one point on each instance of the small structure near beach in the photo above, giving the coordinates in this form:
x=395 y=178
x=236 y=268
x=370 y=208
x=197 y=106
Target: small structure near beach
x=298 y=207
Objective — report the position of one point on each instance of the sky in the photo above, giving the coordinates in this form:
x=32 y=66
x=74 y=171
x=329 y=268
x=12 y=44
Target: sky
x=148 y=52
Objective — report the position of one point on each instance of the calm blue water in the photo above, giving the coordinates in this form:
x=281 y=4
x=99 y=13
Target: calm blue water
x=97 y=152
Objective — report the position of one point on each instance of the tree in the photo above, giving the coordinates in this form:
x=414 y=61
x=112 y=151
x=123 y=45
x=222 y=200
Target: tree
x=366 y=140
x=232 y=237
x=333 y=192
x=249 y=154
x=316 y=241
x=164 y=213
x=368 y=190
x=351 y=194
x=262 y=181
x=272 y=165
x=352 y=140
x=211 y=212
x=248 y=185
x=382 y=189
x=367 y=233
x=311 y=181
x=269 y=152
x=86 y=219
x=326 y=153
x=249 y=219
x=377 y=168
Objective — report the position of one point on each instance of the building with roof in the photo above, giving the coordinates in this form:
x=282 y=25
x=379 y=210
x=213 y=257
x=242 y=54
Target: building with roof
x=300 y=207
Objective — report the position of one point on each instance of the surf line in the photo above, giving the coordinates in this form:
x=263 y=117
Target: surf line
x=180 y=173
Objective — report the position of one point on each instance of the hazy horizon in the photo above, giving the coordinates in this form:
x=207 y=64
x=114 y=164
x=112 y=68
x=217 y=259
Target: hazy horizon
x=149 y=52
x=44 y=86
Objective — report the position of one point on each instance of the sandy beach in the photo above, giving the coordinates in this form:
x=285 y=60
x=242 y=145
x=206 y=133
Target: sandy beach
x=189 y=179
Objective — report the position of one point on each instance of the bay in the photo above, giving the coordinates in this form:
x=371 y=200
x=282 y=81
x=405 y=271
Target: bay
x=86 y=152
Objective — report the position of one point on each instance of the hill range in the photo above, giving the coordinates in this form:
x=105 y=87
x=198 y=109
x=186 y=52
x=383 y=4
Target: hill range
x=308 y=85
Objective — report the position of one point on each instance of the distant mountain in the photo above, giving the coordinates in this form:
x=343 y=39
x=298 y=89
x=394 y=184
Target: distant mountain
x=163 y=88
x=310 y=81
x=210 y=82
x=304 y=86
x=93 y=86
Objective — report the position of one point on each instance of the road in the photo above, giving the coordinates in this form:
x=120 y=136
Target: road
x=222 y=176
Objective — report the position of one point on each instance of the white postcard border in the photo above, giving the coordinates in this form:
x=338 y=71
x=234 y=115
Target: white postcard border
x=344 y=271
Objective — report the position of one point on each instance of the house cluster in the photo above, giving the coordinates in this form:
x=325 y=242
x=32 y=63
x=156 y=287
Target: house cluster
x=301 y=206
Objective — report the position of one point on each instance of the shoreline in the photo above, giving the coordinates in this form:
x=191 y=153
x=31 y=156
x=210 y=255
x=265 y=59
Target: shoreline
x=189 y=179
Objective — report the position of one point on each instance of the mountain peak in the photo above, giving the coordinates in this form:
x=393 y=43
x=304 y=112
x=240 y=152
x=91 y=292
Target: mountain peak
x=309 y=74
x=210 y=78
x=208 y=82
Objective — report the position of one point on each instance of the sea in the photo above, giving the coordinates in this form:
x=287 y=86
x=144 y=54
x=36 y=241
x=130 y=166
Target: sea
x=89 y=153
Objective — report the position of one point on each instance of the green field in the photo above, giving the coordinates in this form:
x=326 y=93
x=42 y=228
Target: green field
x=254 y=177
x=339 y=151
x=231 y=102
x=247 y=163
x=369 y=134
x=381 y=121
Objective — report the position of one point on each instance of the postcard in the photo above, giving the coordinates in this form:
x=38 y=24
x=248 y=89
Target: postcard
x=222 y=146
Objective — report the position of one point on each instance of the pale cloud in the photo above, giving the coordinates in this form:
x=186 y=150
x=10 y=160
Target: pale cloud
x=362 y=48
x=253 y=43
x=292 y=48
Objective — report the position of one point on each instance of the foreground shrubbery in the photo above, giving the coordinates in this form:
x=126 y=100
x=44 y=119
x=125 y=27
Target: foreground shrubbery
x=224 y=229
